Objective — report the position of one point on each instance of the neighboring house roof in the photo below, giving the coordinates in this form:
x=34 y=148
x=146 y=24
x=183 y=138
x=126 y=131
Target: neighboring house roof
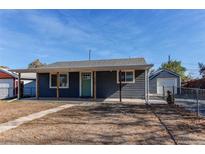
x=8 y=72
x=156 y=73
x=28 y=76
x=197 y=83
x=24 y=76
x=93 y=64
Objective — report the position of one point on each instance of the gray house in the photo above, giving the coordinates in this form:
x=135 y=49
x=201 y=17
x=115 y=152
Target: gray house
x=163 y=80
x=114 y=78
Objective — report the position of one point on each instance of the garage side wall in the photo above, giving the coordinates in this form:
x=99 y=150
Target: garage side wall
x=163 y=74
x=153 y=85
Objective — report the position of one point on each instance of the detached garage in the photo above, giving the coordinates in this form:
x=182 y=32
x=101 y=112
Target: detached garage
x=7 y=84
x=163 y=79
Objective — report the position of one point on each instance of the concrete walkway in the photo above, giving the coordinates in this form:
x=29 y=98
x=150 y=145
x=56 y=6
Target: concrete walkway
x=15 y=123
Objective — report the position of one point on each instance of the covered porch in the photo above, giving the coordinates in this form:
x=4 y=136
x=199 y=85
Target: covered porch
x=91 y=80
x=83 y=96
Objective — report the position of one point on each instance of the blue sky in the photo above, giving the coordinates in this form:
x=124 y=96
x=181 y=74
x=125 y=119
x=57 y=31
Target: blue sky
x=56 y=35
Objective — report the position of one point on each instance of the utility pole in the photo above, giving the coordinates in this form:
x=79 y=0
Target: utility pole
x=89 y=54
x=169 y=59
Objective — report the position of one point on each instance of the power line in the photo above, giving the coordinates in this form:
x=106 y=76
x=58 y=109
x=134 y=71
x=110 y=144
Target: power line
x=89 y=56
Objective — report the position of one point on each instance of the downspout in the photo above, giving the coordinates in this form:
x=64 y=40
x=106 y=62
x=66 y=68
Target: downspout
x=148 y=86
x=19 y=86
x=145 y=79
x=120 y=73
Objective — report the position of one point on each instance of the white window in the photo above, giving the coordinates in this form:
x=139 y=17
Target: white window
x=63 y=80
x=126 y=77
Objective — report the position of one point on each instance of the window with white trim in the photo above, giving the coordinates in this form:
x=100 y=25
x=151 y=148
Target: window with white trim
x=63 y=80
x=126 y=77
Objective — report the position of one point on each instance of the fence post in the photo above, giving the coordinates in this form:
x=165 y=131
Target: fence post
x=173 y=93
x=163 y=93
x=197 y=101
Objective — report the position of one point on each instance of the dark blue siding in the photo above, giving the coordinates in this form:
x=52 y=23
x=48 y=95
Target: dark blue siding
x=30 y=88
x=107 y=86
x=72 y=91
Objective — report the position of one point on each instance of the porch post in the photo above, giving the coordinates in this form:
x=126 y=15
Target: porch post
x=145 y=85
x=37 y=86
x=19 y=86
x=94 y=85
x=57 y=85
x=120 y=92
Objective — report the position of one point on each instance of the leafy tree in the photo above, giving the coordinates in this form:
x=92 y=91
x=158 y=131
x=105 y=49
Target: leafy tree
x=35 y=64
x=5 y=67
x=175 y=66
x=188 y=77
x=202 y=69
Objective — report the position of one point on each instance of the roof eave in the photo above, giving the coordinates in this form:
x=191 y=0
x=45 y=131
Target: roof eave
x=50 y=69
x=159 y=71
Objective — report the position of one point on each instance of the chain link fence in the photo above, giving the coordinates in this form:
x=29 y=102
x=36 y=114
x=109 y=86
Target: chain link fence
x=192 y=99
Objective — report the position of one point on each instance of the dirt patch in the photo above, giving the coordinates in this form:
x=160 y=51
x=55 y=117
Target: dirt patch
x=112 y=123
x=183 y=125
x=14 y=110
x=108 y=123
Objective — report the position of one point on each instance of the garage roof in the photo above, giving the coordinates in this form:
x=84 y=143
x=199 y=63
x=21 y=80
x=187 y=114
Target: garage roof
x=156 y=73
x=8 y=72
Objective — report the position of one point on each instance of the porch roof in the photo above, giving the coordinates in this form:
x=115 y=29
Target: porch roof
x=95 y=65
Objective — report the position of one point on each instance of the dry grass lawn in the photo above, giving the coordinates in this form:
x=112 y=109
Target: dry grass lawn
x=184 y=126
x=111 y=123
x=16 y=109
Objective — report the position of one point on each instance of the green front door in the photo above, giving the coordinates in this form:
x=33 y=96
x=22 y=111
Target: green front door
x=86 y=84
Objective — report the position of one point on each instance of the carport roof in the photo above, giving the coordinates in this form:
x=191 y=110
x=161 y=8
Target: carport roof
x=106 y=64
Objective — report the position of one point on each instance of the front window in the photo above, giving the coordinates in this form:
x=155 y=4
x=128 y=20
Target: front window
x=122 y=76
x=126 y=76
x=63 y=80
x=129 y=76
x=53 y=80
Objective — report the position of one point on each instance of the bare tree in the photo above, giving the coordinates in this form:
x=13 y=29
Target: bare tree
x=35 y=64
x=202 y=69
x=4 y=67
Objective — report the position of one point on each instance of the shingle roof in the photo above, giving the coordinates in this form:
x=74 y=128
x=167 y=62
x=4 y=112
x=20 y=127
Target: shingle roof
x=98 y=63
x=107 y=64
